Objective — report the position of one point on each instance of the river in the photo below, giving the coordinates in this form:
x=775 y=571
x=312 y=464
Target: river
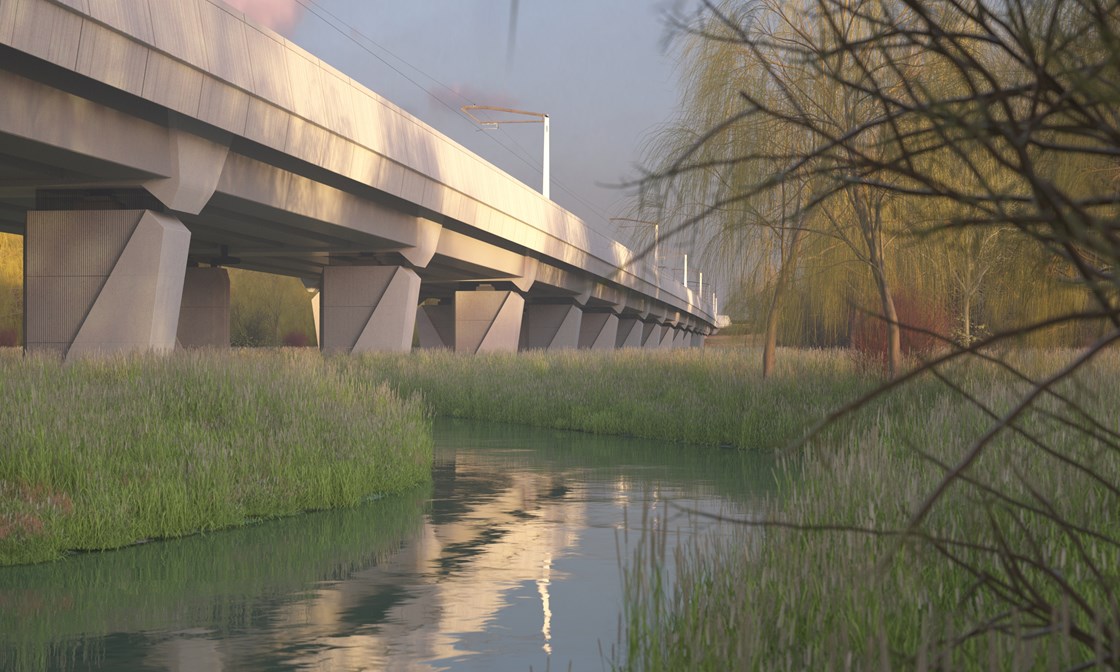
x=508 y=560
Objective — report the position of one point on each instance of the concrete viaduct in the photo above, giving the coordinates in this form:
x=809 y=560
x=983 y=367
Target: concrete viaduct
x=147 y=144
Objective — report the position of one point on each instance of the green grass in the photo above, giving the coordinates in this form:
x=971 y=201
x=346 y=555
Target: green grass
x=796 y=599
x=103 y=454
x=686 y=396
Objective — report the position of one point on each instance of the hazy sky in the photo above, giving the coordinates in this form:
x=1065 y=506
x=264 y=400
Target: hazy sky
x=597 y=67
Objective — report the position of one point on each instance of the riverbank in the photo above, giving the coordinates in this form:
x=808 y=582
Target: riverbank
x=1014 y=568
x=715 y=398
x=103 y=454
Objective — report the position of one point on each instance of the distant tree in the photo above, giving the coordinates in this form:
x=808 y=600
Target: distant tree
x=11 y=289
x=268 y=310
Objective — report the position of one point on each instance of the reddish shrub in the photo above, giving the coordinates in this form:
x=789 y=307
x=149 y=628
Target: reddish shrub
x=9 y=338
x=916 y=315
x=296 y=339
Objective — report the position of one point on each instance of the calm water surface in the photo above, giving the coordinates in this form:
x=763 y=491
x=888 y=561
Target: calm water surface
x=508 y=560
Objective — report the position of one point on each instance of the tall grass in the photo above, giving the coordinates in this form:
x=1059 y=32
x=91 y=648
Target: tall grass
x=856 y=596
x=692 y=396
x=102 y=454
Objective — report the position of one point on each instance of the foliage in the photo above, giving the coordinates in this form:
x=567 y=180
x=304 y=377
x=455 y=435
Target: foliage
x=11 y=289
x=269 y=310
x=105 y=453
x=980 y=125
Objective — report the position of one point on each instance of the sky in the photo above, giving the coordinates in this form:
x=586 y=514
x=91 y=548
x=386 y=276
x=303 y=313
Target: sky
x=599 y=68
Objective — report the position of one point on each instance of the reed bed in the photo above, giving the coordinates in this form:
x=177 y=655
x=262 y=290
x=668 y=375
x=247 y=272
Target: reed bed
x=821 y=577
x=105 y=453
x=686 y=396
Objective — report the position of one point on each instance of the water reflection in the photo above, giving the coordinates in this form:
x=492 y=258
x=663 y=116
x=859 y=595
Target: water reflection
x=506 y=561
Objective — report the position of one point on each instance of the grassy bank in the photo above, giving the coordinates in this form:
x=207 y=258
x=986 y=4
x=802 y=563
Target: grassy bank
x=689 y=396
x=780 y=598
x=102 y=454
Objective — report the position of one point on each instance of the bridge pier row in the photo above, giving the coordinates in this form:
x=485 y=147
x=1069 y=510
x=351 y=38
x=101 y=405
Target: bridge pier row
x=630 y=332
x=598 y=330
x=103 y=282
x=680 y=338
x=551 y=326
x=368 y=308
x=488 y=320
x=435 y=326
x=698 y=340
x=204 y=309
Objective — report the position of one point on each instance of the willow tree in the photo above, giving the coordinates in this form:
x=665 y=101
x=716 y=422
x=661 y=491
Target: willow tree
x=999 y=115
x=741 y=166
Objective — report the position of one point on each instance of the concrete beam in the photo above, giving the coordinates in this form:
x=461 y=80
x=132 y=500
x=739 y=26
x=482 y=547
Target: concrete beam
x=204 y=310
x=598 y=331
x=435 y=326
x=369 y=308
x=488 y=320
x=551 y=326
x=104 y=282
x=630 y=332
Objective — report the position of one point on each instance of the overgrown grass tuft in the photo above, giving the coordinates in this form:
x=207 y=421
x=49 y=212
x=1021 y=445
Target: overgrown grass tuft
x=106 y=453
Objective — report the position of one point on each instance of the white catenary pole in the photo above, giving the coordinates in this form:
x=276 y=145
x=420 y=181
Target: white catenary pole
x=544 y=188
x=686 y=271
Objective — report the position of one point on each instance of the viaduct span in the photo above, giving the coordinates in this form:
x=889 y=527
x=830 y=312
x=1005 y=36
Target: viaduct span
x=147 y=144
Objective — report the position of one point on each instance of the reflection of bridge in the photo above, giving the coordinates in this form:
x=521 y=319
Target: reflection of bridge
x=139 y=138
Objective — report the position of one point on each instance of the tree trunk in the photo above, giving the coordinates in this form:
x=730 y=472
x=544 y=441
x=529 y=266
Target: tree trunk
x=771 y=344
x=894 y=333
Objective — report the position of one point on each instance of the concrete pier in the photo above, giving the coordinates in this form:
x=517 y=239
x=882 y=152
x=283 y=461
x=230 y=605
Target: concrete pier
x=598 y=331
x=551 y=326
x=435 y=326
x=369 y=308
x=630 y=332
x=204 y=310
x=488 y=320
x=103 y=281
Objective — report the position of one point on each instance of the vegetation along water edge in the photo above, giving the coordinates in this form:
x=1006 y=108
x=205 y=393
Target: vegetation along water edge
x=105 y=453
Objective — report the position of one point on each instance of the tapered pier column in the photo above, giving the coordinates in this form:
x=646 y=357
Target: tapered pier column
x=368 y=308
x=598 y=331
x=488 y=320
x=435 y=326
x=103 y=281
x=652 y=332
x=629 y=332
x=204 y=310
x=551 y=326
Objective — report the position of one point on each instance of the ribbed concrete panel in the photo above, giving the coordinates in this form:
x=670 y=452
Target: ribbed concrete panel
x=173 y=84
x=435 y=326
x=268 y=60
x=598 y=331
x=138 y=308
x=488 y=321
x=47 y=31
x=204 y=311
x=369 y=308
x=630 y=331
x=8 y=20
x=223 y=106
x=108 y=56
x=177 y=29
x=307 y=90
x=226 y=50
x=551 y=327
x=128 y=16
